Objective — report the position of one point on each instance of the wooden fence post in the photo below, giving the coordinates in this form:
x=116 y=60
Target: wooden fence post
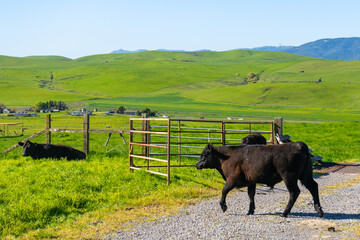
x=179 y=139
x=47 y=128
x=145 y=136
x=86 y=127
x=278 y=127
x=223 y=138
x=131 y=138
x=168 y=142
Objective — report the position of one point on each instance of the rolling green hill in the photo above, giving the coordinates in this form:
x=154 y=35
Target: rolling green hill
x=189 y=83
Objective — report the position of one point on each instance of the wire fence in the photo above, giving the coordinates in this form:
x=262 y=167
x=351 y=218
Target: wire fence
x=106 y=134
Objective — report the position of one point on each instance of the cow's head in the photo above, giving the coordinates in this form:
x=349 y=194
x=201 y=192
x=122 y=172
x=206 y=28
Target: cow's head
x=210 y=158
x=29 y=148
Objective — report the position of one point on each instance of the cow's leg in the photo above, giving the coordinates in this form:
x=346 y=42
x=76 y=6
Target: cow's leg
x=229 y=185
x=312 y=186
x=251 y=194
x=294 y=191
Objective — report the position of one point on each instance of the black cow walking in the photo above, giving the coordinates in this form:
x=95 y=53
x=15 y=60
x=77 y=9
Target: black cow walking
x=38 y=150
x=247 y=165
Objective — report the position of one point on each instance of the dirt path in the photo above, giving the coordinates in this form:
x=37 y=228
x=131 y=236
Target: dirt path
x=339 y=196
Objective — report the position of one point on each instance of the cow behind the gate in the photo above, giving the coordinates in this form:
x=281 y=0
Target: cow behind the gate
x=254 y=139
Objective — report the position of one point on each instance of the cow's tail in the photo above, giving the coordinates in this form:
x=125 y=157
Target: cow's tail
x=307 y=170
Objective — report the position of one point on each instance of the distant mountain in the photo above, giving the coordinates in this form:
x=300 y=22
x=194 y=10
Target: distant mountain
x=347 y=49
x=160 y=50
x=127 y=51
x=271 y=48
x=337 y=48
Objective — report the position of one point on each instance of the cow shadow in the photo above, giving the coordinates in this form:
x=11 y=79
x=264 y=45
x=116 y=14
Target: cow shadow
x=327 y=216
x=331 y=216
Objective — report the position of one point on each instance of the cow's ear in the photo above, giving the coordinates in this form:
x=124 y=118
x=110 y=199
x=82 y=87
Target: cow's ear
x=20 y=143
x=210 y=146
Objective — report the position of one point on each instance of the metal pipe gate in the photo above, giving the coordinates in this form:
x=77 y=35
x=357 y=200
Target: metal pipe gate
x=151 y=142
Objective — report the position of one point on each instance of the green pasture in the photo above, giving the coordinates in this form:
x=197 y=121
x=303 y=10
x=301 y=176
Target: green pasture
x=42 y=199
x=189 y=84
x=178 y=106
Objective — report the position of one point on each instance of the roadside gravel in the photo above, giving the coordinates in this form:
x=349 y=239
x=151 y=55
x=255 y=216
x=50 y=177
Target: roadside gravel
x=205 y=220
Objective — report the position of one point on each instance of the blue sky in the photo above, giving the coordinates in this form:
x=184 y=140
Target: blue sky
x=76 y=28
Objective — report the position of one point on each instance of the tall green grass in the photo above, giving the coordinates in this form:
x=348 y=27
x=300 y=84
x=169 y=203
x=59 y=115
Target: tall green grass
x=46 y=193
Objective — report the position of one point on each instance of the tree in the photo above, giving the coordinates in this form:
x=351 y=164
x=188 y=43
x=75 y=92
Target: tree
x=2 y=107
x=120 y=109
x=145 y=110
x=148 y=111
x=153 y=113
x=40 y=106
x=252 y=77
x=61 y=105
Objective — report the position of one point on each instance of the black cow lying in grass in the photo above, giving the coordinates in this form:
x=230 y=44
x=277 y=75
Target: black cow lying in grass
x=38 y=150
x=247 y=165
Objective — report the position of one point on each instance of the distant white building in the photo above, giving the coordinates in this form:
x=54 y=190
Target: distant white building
x=25 y=114
x=81 y=112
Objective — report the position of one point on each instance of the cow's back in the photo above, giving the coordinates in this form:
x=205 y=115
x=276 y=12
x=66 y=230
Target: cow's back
x=63 y=151
x=291 y=157
x=267 y=164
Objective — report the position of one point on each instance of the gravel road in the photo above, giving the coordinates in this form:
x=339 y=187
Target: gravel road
x=205 y=220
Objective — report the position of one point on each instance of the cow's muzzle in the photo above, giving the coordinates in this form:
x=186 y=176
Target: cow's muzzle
x=199 y=166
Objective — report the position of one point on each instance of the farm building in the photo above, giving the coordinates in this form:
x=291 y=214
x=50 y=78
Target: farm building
x=81 y=112
x=25 y=114
x=130 y=112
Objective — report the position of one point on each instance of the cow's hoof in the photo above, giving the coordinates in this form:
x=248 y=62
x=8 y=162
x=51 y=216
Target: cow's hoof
x=250 y=213
x=319 y=211
x=223 y=207
x=284 y=214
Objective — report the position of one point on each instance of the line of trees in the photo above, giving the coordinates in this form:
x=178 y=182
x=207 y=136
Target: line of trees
x=121 y=110
x=50 y=105
x=150 y=113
